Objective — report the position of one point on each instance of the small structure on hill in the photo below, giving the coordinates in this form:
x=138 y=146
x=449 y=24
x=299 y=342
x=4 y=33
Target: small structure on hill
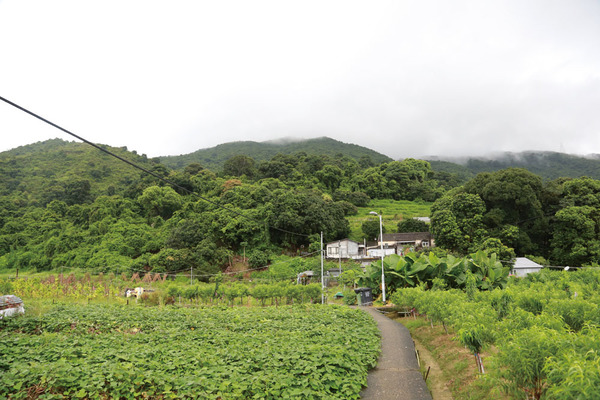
x=306 y=277
x=407 y=241
x=11 y=305
x=346 y=249
x=524 y=266
x=137 y=292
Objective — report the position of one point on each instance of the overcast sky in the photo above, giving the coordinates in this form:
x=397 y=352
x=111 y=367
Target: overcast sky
x=405 y=78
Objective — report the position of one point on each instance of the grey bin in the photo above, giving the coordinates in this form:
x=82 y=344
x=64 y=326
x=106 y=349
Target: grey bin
x=364 y=296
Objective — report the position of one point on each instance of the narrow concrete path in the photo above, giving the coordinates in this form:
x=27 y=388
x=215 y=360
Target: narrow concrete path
x=397 y=375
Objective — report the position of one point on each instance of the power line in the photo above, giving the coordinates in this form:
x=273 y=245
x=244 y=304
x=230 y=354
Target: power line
x=173 y=184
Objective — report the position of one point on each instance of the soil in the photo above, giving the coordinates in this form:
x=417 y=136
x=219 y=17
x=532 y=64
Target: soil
x=435 y=380
x=453 y=373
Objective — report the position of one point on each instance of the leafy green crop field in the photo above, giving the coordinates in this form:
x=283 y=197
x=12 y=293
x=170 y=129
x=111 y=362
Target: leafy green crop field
x=100 y=351
x=392 y=211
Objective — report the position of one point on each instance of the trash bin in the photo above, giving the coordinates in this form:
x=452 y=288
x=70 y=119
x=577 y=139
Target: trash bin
x=364 y=296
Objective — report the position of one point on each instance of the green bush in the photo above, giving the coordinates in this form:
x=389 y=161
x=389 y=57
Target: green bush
x=349 y=297
x=5 y=287
x=522 y=358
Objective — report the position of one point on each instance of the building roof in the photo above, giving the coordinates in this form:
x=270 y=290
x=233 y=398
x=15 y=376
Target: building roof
x=10 y=300
x=341 y=240
x=523 y=262
x=406 y=236
x=427 y=220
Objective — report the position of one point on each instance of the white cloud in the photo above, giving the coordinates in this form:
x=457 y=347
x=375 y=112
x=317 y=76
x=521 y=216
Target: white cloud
x=405 y=78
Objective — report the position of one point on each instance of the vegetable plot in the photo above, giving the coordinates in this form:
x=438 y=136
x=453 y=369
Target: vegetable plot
x=74 y=351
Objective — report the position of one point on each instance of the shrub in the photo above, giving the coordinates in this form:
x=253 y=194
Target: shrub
x=523 y=358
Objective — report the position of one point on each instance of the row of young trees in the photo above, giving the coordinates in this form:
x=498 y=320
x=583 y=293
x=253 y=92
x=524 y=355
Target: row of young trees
x=544 y=329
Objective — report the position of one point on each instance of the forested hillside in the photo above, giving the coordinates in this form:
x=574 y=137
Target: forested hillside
x=72 y=172
x=66 y=204
x=515 y=211
x=548 y=165
x=214 y=158
x=69 y=205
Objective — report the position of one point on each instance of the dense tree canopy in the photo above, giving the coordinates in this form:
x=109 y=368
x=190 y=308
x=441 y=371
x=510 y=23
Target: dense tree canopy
x=558 y=220
x=65 y=205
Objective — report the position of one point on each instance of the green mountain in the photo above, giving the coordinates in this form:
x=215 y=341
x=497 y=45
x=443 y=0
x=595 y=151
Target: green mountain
x=548 y=165
x=70 y=171
x=213 y=158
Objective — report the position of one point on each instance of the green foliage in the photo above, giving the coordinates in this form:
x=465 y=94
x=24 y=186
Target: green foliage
x=392 y=212
x=239 y=165
x=493 y=245
x=258 y=258
x=5 y=287
x=524 y=357
x=100 y=351
x=547 y=338
x=371 y=229
x=473 y=338
x=160 y=201
x=214 y=158
x=412 y=225
x=350 y=298
x=409 y=179
x=576 y=239
x=549 y=165
x=74 y=173
x=359 y=199
x=457 y=222
x=573 y=376
x=479 y=271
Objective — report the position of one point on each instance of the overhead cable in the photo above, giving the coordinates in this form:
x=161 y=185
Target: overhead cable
x=173 y=184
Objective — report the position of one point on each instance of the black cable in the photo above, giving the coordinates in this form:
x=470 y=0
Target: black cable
x=144 y=169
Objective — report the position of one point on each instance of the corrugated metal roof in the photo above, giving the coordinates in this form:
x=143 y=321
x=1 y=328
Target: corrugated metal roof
x=406 y=236
x=523 y=262
x=10 y=300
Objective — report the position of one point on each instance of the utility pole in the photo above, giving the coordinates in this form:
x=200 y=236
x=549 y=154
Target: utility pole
x=191 y=275
x=340 y=257
x=340 y=253
x=381 y=242
x=322 y=281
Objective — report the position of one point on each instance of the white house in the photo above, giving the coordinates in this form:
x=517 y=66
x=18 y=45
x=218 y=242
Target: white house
x=407 y=240
x=375 y=252
x=524 y=266
x=344 y=248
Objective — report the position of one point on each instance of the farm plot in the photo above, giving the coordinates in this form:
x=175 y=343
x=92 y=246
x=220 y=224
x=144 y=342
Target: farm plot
x=97 y=352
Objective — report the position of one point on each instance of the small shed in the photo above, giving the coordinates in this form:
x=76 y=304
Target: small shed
x=305 y=277
x=334 y=272
x=11 y=305
x=524 y=266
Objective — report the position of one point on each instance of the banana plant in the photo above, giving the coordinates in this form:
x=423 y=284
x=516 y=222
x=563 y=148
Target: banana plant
x=489 y=270
x=412 y=269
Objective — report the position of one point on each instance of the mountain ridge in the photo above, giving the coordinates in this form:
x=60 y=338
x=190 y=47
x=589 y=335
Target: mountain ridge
x=215 y=157
x=547 y=164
